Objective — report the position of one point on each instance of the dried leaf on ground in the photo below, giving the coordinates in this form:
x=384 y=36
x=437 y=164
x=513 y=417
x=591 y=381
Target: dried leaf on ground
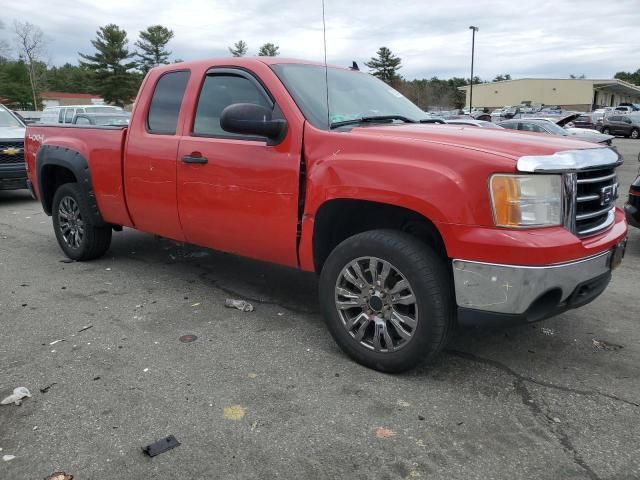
x=234 y=412
x=382 y=432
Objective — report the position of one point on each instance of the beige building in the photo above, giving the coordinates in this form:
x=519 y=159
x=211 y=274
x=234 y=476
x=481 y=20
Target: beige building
x=571 y=94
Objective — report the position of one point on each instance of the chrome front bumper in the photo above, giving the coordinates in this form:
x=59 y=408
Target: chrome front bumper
x=528 y=293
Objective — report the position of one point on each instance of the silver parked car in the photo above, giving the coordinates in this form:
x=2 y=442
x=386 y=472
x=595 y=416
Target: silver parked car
x=472 y=123
x=550 y=127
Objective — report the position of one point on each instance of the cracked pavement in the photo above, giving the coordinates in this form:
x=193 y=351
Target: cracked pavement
x=554 y=400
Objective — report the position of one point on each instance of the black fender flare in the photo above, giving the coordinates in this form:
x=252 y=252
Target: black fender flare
x=78 y=165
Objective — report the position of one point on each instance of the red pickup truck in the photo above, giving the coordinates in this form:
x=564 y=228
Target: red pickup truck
x=413 y=228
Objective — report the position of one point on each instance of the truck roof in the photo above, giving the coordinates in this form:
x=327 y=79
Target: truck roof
x=242 y=62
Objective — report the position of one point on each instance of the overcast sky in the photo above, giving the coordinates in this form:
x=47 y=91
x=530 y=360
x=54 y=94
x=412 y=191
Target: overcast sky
x=545 y=38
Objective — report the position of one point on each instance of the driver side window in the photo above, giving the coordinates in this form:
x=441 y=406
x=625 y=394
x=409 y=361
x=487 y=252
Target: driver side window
x=218 y=92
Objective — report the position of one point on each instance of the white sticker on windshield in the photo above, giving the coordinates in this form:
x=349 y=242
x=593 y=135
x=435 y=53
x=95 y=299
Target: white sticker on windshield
x=395 y=93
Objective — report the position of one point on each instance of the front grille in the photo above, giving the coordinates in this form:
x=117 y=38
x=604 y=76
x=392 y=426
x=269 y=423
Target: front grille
x=596 y=195
x=11 y=152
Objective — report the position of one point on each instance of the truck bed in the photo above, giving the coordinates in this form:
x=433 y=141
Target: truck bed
x=102 y=147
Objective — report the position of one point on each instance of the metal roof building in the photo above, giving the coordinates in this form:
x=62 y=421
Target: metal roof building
x=572 y=94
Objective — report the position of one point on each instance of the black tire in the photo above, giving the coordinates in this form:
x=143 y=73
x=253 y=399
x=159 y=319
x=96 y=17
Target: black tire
x=606 y=131
x=95 y=240
x=635 y=134
x=430 y=281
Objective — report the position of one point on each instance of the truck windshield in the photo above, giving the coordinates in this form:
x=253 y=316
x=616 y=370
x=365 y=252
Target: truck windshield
x=353 y=96
x=8 y=120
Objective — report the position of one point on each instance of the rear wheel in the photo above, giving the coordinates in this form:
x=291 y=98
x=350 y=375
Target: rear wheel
x=77 y=235
x=387 y=300
x=635 y=134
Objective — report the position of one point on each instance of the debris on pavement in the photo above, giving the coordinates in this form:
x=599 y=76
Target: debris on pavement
x=382 y=432
x=252 y=375
x=547 y=331
x=59 y=476
x=235 y=412
x=8 y=458
x=85 y=328
x=602 y=345
x=161 y=446
x=195 y=304
x=403 y=403
x=46 y=389
x=18 y=394
x=556 y=420
x=188 y=338
x=241 y=305
x=56 y=341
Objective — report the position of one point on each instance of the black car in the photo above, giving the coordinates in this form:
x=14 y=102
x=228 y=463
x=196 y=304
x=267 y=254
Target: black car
x=622 y=125
x=13 y=172
x=586 y=120
x=632 y=207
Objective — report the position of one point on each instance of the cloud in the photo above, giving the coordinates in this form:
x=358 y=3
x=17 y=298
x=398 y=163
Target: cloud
x=542 y=39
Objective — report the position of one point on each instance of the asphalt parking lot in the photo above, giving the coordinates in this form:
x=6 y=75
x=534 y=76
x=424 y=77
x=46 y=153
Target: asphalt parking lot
x=268 y=394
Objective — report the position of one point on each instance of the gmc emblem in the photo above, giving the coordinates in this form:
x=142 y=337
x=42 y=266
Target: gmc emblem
x=608 y=194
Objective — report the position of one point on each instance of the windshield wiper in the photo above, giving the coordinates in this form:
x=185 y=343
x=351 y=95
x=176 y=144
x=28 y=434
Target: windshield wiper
x=372 y=119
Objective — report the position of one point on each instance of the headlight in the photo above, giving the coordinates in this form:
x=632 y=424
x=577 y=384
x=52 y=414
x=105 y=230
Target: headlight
x=526 y=200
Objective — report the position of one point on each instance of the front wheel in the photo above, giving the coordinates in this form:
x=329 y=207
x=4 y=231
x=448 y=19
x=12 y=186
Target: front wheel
x=606 y=131
x=387 y=300
x=635 y=133
x=77 y=235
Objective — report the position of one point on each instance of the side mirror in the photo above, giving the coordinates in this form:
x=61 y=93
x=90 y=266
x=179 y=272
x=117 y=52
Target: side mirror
x=251 y=119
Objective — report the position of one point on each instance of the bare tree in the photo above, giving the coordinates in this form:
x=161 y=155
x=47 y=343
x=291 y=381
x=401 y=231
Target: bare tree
x=30 y=44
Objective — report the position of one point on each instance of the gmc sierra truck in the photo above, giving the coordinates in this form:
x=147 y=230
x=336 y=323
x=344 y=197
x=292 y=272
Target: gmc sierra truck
x=413 y=228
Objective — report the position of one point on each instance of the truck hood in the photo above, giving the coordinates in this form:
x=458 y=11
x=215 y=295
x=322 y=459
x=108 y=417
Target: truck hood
x=505 y=143
x=11 y=133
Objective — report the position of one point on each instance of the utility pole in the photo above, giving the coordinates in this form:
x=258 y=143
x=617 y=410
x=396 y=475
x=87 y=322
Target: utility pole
x=473 y=47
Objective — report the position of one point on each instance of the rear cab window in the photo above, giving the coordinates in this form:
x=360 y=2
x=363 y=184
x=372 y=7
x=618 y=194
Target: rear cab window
x=164 y=109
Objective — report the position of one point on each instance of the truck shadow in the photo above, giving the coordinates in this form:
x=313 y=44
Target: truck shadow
x=290 y=289
x=9 y=197
x=243 y=278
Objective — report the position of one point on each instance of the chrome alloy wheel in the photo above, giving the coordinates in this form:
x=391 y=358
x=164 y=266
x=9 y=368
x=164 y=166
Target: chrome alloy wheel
x=376 y=304
x=70 y=222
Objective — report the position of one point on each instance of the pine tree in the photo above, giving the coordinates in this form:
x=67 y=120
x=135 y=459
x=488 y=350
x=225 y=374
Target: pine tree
x=269 y=50
x=499 y=78
x=114 y=80
x=385 y=66
x=239 y=49
x=152 y=47
x=14 y=84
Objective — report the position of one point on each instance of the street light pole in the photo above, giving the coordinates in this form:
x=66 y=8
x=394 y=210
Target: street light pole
x=473 y=47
